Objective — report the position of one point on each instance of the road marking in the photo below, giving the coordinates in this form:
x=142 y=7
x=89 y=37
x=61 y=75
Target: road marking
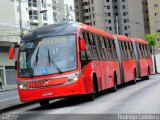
x=9 y=99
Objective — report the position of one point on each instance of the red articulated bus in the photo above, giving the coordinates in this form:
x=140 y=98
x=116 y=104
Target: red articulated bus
x=143 y=57
x=72 y=58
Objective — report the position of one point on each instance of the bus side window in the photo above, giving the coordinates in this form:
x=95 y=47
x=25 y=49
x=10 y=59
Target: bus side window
x=95 y=51
x=125 y=50
x=122 y=49
x=101 y=47
x=132 y=50
x=140 y=50
x=106 y=47
x=85 y=56
x=109 y=49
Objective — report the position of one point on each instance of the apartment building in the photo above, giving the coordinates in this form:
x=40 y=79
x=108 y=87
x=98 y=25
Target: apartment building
x=69 y=10
x=154 y=19
x=115 y=16
x=34 y=13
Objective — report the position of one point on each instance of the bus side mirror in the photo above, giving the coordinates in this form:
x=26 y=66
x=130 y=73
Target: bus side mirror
x=11 y=52
x=82 y=45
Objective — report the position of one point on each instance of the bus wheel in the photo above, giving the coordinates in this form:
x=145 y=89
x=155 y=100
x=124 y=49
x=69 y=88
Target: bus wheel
x=147 y=76
x=92 y=96
x=44 y=103
x=134 y=81
x=114 y=89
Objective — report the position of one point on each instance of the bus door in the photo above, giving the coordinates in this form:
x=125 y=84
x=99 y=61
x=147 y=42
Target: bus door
x=119 y=54
x=136 y=49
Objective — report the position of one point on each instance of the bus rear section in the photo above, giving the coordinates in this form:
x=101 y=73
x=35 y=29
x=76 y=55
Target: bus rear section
x=144 y=58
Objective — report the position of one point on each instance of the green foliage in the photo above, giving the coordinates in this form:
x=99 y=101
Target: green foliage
x=152 y=39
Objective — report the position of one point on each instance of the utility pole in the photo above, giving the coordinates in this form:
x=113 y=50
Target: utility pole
x=20 y=19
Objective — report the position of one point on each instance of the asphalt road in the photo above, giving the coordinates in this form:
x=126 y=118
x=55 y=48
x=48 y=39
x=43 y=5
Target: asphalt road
x=142 y=98
x=8 y=98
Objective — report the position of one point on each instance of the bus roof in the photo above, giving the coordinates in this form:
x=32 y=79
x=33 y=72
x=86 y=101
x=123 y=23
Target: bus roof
x=95 y=30
x=52 y=30
x=123 y=37
x=138 y=40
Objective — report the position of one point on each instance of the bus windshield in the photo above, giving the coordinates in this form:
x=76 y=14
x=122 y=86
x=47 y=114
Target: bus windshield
x=47 y=56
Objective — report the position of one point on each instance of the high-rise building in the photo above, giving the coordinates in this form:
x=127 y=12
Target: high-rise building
x=34 y=13
x=115 y=16
x=69 y=10
x=154 y=19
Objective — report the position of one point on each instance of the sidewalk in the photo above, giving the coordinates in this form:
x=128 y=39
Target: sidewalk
x=8 y=88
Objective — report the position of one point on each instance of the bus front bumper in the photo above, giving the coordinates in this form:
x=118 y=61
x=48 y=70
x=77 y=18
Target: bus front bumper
x=51 y=92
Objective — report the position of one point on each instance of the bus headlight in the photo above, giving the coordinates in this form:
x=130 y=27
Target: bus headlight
x=73 y=80
x=22 y=87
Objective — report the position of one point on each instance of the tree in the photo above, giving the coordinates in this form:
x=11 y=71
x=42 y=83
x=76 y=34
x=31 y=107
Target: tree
x=152 y=40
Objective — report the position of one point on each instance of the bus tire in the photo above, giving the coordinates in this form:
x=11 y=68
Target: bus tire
x=44 y=103
x=114 y=89
x=147 y=76
x=134 y=81
x=92 y=96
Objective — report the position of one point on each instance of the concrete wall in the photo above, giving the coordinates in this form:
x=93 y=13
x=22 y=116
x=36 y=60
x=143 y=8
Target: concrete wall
x=157 y=61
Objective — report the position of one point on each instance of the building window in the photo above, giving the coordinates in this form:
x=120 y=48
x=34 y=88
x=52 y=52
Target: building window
x=93 y=16
x=124 y=13
x=156 y=5
x=125 y=27
x=123 y=7
x=109 y=14
x=44 y=5
x=115 y=7
x=123 y=0
x=109 y=21
x=77 y=7
x=94 y=23
x=108 y=7
x=77 y=13
x=45 y=16
x=116 y=14
x=110 y=28
x=107 y=0
x=125 y=21
x=156 y=14
x=32 y=3
x=92 y=8
x=33 y=15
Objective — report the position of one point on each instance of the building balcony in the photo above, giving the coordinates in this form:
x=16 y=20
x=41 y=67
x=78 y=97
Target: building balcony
x=33 y=19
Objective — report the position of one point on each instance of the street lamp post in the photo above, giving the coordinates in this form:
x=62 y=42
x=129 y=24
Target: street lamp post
x=20 y=19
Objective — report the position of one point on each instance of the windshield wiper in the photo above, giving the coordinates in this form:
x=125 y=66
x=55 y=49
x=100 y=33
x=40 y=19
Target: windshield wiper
x=52 y=61
x=34 y=63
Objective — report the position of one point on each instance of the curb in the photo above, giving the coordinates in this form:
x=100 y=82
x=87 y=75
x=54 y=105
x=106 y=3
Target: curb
x=3 y=90
x=15 y=106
